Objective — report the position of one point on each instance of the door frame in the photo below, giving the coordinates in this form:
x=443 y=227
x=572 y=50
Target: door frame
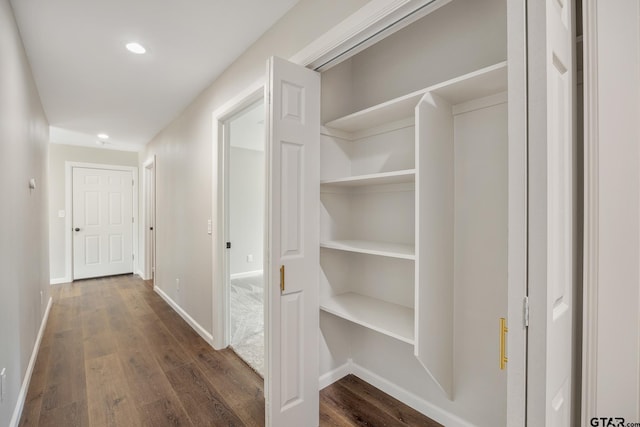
x=68 y=236
x=148 y=252
x=220 y=220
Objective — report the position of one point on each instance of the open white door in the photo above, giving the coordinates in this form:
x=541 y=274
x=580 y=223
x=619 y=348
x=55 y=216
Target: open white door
x=292 y=258
x=552 y=253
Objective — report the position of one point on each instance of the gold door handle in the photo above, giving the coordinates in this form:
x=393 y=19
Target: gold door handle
x=282 y=278
x=503 y=341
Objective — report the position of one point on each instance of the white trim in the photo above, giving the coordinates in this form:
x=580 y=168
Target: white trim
x=59 y=281
x=68 y=222
x=369 y=24
x=220 y=294
x=517 y=212
x=195 y=325
x=410 y=399
x=246 y=274
x=405 y=396
x=336 y=374
x=591 y=214
x=22 y=395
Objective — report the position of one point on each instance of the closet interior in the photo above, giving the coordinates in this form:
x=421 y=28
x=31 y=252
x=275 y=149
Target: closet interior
x=413 y=229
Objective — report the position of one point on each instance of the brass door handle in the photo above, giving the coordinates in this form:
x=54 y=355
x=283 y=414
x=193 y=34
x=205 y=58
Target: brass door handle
x=503 y=343
x=282 y=278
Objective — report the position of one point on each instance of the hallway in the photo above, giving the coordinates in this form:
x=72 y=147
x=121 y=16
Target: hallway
x=115 y=354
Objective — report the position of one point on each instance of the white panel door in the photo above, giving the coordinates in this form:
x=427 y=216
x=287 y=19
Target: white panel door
x=292 y=324
x=560 y=213
x=102 y=222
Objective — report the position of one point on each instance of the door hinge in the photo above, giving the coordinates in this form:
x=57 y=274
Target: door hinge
x=525 y=312
x=228 y=245
x=133 y=183
x=133 y=257
x=133 y=220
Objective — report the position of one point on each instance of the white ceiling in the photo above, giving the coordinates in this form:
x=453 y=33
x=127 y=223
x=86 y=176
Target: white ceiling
x=89 y=83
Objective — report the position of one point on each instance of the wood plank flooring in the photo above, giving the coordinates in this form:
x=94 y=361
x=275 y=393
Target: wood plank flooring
x=115 y=354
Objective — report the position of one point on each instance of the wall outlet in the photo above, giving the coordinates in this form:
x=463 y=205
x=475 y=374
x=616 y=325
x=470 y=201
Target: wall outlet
x=3 y=384
x=249 y=258
x=177 y=285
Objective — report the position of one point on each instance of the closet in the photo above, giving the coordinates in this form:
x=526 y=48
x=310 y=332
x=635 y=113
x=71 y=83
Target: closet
x=413 y=214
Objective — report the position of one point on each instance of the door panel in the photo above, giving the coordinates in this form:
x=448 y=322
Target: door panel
x=291 y=381
x=560 y=257
x=103 y=216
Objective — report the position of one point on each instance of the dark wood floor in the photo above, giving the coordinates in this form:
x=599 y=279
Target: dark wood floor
x=115 y=354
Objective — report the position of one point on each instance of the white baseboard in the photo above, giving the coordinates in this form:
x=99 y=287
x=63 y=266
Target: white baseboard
x=22 y=395
x=60 y=280
x=246 y=274
x=336 y=374
x=195 y=325
x=419 y=404
x=416 y=402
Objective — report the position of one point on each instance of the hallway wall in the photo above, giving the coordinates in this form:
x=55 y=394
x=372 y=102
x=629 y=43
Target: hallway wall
x=24 y=237
x=184 y=157
x=58 y=155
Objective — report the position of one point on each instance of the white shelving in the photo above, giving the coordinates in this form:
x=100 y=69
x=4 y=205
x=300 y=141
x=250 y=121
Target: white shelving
x=387 y=318
x=478 y=84
x=392 y=250
x=395 y=177
x=407 y=140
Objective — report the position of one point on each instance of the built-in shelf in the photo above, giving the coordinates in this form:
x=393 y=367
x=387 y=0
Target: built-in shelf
x=478 y=84
x=392 y=250
x=395 y=177
x=387 y=318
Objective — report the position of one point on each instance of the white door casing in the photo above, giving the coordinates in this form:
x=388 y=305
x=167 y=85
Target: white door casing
x=292 y=312
x=102 y=222
x=552 y=210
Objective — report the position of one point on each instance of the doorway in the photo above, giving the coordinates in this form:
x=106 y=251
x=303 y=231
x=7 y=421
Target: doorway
x=149 y=219
x=244 y=229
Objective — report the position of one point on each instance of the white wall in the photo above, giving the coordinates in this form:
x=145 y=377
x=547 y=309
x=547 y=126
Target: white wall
x=24 y=238
x=615 y=364
x=246 y=210
x=58 y=155
x=184 y=158
x=246 y=189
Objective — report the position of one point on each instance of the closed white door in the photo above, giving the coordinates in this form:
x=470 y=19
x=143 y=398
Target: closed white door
x=293 y=252
x=102 y=222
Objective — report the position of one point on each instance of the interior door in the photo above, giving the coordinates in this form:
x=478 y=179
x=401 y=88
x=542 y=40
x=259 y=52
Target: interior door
x=292 y=258
x=552 y=210
x=102 y=222
x=150 y=220
x=560 y=201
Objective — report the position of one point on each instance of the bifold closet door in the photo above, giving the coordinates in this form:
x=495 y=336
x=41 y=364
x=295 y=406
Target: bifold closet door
x=293 y=138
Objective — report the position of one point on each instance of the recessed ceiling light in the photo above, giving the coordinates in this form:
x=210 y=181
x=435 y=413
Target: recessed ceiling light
x=136 y=48
x=103 y=136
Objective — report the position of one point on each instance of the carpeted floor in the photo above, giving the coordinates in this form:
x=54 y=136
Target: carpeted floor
x=247 y=320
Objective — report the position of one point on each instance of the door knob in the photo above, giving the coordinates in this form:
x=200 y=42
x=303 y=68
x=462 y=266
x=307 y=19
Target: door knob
x=77 y=229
